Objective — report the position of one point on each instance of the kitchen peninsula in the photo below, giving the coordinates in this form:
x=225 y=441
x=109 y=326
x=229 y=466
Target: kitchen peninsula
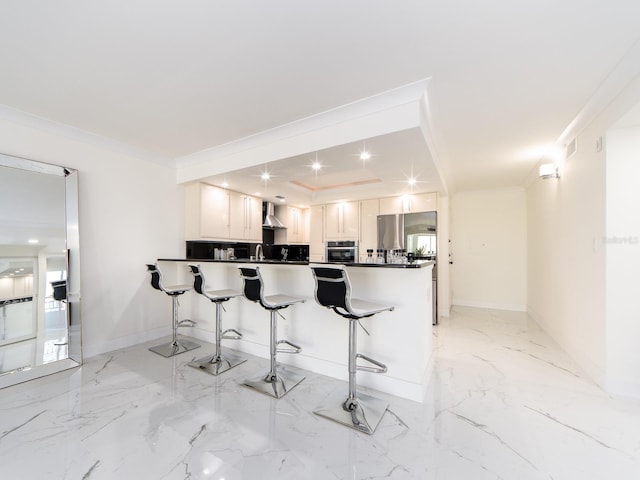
x=401 y=339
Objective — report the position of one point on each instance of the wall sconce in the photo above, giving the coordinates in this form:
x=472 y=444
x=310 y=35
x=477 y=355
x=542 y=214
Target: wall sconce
x=549 y=170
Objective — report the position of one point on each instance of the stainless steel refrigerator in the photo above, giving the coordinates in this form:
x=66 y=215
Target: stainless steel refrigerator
x=416 y=233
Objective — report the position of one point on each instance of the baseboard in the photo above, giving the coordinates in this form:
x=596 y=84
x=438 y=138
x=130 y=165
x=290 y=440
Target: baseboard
x=384 y=383
x=622 y=387
x=513 y=307
x=94 y=349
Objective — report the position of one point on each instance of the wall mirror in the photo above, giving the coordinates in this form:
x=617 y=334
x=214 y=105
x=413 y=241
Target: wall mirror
x=40 y=328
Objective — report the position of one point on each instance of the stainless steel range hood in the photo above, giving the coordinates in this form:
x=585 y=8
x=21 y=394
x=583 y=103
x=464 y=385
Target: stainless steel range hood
x=270 y=220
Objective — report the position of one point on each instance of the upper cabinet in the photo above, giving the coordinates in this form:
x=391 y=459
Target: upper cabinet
x=316 y=233
x=219 y=214
x=245 y=213
x=369 y=211
x=295 y=219
x=422 y=202
x=341 y=221
x=214 y=212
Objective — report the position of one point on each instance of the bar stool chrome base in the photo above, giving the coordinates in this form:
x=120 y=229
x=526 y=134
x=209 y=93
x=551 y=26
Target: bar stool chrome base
x=174 y=348
x=217 y=364
x=362 y=414
x=276 y=386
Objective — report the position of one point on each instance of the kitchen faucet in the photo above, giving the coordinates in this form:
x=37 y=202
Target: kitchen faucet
x=259 y=254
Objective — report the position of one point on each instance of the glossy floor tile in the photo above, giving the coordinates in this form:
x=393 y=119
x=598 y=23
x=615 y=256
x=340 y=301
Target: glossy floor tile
x=504 y=403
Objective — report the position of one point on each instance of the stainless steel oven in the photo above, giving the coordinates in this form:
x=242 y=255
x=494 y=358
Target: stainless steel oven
x=343 y=251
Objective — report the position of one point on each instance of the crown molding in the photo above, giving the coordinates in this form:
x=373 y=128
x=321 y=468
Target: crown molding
x=380 y=114
x=35 y=122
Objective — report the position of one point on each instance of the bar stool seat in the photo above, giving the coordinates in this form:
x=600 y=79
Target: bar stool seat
x=275 y=383
x=177 y=345
x=333 y=290
x=218 y=362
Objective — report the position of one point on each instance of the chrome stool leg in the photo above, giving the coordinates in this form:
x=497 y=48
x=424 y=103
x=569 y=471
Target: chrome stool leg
x=360 y=412
x=218 y=363
x=275 y=383
x=176 y=346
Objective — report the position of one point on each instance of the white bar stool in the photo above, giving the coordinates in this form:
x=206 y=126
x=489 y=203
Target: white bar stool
x=218 y=362
x=333 y=290
x=274 y=383
x=176 y=346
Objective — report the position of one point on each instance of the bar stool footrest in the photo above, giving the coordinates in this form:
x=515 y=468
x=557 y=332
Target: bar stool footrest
x=236 y=334
x=276 y=387
x=378 y=368
x=187 y=323
x=217 y=364
x=170 y=349
x=365 y=417
x=294 y=348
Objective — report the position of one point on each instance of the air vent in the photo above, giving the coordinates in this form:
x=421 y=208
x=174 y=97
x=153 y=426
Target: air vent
x=572 y=148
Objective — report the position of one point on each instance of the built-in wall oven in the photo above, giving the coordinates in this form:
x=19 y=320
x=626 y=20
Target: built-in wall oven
x=342 y=251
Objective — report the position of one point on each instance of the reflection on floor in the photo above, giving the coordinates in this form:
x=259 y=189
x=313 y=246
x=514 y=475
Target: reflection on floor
x=49 y=346
x=504 y=403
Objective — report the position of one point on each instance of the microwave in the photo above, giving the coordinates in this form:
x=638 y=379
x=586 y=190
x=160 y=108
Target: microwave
x=343 y=251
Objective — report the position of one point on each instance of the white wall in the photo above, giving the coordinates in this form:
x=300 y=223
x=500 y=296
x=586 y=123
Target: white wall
x=623 y=260
x=572 y=277
x=565 y=260
x=443 y=267
x=489 y=248
x=131 y=212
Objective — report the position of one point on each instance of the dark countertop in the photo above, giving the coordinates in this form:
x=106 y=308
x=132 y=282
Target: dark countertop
x=415 y=264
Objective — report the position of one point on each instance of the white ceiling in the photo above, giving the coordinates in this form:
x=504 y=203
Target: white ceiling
x=343 y=176
x=171 y=78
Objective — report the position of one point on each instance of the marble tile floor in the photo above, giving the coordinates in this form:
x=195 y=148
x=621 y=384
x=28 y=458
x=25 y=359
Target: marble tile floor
x=504 y=403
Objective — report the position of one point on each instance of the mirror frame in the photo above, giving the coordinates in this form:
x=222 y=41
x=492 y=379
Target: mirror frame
x=74 y=320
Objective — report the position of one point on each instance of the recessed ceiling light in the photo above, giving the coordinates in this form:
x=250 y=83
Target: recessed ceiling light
x=224 y=185
x=364 y=155
x=265 y=176
x=33 y=241
x=316 y=166
x=412 y=181
x=257 y=194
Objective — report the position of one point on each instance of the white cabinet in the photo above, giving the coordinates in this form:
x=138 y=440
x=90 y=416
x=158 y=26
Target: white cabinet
x=306 y=229
x=421 y=202
x=245 y=215
x=369 y=211
x=219 y=214
x=316 y=233
x=214 y=212
x=294 y=219
x=341 y=221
